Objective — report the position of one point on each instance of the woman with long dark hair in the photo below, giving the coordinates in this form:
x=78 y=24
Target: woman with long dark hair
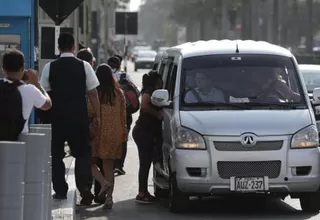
x=146 y=132
x=112 y=133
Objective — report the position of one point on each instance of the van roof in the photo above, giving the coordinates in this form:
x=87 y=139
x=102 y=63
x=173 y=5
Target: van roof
x=200 y=48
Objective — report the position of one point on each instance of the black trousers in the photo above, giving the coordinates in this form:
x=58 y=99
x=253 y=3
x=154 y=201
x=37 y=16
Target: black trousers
x=146 y=143
x=77 y=136
x=120 y=163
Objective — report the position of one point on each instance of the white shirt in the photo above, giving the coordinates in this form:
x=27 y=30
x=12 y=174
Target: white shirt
x=92 y=81
x=117 y=75
x=31 y=97
x=214 y=95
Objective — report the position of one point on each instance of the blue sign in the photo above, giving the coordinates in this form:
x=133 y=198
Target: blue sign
x=16 y=8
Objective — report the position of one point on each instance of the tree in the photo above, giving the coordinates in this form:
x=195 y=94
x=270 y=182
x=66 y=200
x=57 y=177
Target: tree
x=154 y=19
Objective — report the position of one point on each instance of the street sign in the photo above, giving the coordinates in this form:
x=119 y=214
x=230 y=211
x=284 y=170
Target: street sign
x=59 y=10
x=127 y=23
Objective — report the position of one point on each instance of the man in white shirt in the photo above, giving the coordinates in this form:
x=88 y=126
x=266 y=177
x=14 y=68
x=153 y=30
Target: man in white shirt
x=115 y=65
x=204 y=92
x=32 y=93
x=71 y=81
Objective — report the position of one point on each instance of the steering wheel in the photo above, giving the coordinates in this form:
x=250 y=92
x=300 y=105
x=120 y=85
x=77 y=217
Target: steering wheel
x=271 y=94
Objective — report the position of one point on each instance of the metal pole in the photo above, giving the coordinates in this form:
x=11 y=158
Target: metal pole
x=125 y=42
x=76 y=28
x=106 y=36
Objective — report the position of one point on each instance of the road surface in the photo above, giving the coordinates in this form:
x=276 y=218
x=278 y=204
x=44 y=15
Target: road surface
x=126 y=188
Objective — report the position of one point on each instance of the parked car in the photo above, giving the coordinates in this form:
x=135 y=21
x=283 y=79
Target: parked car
x=227 y=129
x=137 y=49
x=144 y=59
x=162 y=49
x=311 y=76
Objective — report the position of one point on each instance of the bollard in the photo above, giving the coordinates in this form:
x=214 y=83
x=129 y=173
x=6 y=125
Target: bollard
x=46 y=198
x=34 y=175
x=12 y=173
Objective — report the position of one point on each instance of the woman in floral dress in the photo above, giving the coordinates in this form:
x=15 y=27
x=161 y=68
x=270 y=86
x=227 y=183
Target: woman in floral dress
x=108 y=145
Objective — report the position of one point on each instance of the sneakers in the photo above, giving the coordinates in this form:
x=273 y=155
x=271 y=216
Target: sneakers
x=59 y=196
x=87 y=198
x=108 y=204
x=119 y=171
x=146 y=199
x=100 y=200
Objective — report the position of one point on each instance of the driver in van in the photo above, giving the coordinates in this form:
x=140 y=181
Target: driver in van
x=204 y=91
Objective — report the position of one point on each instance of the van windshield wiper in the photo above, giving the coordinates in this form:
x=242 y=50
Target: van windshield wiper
x=281 y=105
x=216 y=104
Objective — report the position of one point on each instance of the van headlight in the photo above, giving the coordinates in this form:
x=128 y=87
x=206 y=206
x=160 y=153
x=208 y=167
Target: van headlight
x=187 y=139
x=306 y=138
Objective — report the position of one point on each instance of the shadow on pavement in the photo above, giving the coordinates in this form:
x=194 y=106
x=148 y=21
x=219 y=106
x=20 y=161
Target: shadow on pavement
x=218 y=208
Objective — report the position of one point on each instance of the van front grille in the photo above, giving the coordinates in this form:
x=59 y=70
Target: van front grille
x=237 y=146
x=227 y=169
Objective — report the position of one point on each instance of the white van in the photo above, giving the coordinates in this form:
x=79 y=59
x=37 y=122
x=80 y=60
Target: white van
x=237 y=120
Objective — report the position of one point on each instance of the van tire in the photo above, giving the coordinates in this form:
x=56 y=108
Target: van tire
x=178 y=201
x=158 y=191
x=310 y=202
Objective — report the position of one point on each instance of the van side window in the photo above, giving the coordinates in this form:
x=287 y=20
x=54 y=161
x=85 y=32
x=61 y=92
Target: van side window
x=161 y=70
x=172 y=84
x=155 y=66
x=171 y=80
x=167 y=71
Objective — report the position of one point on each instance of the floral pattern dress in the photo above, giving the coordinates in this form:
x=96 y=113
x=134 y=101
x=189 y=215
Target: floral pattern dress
x=107 y=141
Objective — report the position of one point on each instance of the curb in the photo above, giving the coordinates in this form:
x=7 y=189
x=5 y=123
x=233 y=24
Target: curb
x=65 y=210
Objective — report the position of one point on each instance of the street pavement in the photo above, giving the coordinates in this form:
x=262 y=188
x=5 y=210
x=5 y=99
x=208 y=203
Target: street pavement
x=126 y=188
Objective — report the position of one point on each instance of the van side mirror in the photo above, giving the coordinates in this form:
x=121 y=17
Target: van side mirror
x=160 y=98
x=316 y=96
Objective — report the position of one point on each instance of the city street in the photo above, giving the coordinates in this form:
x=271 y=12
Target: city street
x=126 y=187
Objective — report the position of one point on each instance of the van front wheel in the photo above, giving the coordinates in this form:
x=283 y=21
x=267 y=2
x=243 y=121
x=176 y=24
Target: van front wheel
x=310 y=202
x=178 y=201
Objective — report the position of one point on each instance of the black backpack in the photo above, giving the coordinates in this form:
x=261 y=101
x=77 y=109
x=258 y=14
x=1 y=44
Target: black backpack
x=11 y=117
x=131 y=94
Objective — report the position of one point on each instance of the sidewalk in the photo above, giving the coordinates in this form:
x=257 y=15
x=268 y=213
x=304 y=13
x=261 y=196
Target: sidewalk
x=65 y=210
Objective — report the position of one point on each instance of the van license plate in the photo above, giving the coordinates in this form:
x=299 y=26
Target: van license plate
x=249 y=184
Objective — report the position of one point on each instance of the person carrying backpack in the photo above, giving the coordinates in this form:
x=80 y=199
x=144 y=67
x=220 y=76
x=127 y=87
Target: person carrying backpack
x=18 y=97
x=131 y=94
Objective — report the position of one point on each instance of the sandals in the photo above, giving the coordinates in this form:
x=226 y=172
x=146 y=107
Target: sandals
x=108 y=204
x=104 y=188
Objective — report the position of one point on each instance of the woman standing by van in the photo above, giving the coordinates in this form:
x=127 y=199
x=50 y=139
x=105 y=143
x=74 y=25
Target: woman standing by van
x=146 y=133
x=113 y=130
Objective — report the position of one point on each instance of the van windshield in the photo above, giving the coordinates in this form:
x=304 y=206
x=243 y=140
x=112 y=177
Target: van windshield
x=249 y=81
